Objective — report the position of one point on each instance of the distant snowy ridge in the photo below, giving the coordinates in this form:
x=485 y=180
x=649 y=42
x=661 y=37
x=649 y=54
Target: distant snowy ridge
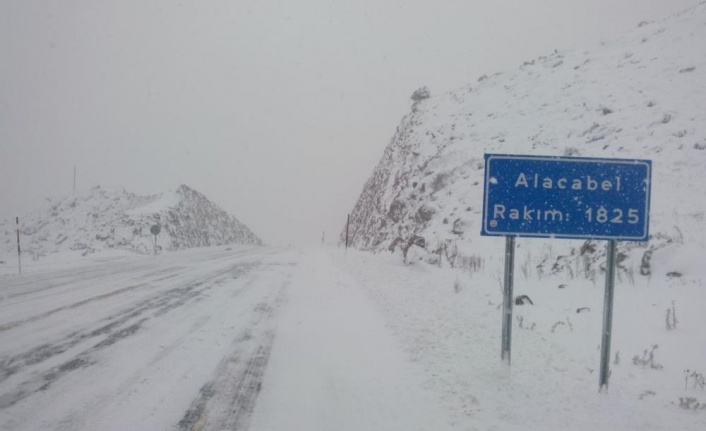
x=103 y=219
x=639 y=96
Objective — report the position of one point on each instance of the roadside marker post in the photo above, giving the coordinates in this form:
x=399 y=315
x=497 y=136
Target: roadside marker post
x=566 y=198
x=19 y=253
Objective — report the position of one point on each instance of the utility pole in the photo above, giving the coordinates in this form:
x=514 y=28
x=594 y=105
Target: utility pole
x=19 y=254
x=348 y=222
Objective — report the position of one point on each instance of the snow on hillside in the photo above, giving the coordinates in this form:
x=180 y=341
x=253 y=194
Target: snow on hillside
x=104 y=219
x=639 y=96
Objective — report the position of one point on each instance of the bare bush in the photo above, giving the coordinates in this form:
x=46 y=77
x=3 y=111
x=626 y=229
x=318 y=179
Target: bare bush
x=521 y=324
x=697 y=379
x=472 y=263
x=671 y=319
x=691 y=403
x=556 y=324
x=571 y=151
x=522 y=300
x=420 y=94
x=451 y=251
x=566 y=323
x=647 y=358
x=457 y=286
x=630 y=272
x=526 y=266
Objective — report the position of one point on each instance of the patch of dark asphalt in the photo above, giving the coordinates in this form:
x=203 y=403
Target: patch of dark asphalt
x=228 y=399
x=177 y=298
x=53 y=375
x=166 y=277
x=34 y=284
x=195 y=416
x=171 y=271
x=119 y=335
x=16 y=323
x=42 y=382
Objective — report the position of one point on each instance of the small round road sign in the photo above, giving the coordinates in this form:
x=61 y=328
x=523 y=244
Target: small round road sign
x=155 y=229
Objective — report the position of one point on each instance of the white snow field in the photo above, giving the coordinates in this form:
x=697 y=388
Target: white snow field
x=283 y=339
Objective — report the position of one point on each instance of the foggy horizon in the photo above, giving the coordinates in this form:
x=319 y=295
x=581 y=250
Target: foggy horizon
x=277 y=112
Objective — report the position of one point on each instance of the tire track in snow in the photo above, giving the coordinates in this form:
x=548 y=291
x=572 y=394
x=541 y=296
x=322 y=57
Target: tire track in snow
x=44 y=315
x=35 y=285
x=228 y=399
x=121 y=325
x=32 y=286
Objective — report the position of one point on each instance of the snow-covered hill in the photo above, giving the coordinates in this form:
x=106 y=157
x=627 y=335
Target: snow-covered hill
x=640 y=96
x=104 y=219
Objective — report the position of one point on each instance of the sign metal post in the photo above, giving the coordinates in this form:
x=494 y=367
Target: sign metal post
x=607 y=316
x=155 y=230
x=571 y=198
x=508 y=298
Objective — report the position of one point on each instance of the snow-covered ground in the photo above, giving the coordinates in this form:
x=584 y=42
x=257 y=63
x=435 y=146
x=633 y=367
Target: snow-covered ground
x=639 y=96
x=448 y=322
x=283 y=339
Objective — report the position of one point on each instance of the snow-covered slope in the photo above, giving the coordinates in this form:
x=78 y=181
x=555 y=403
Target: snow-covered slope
x=115 y=219
x=640 y=96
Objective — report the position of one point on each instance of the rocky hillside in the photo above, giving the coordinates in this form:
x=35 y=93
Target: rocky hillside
x=115 y=219
x=639 y=96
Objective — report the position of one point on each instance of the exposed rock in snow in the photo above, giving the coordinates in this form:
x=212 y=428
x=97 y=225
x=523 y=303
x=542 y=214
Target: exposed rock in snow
x=639 y=96
x=115 y=219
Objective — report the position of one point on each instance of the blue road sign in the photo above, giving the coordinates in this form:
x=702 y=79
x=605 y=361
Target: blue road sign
x=566 y=197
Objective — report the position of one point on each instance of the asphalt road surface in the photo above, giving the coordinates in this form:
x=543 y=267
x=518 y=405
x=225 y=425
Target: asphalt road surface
x=172 y=342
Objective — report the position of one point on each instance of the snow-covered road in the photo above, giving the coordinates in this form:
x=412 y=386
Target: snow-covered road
x=170 y=342
x=187 y=341
x=264 y=339
x=335 y=364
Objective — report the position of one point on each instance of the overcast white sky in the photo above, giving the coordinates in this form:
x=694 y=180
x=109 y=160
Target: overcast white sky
x=277 y=110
